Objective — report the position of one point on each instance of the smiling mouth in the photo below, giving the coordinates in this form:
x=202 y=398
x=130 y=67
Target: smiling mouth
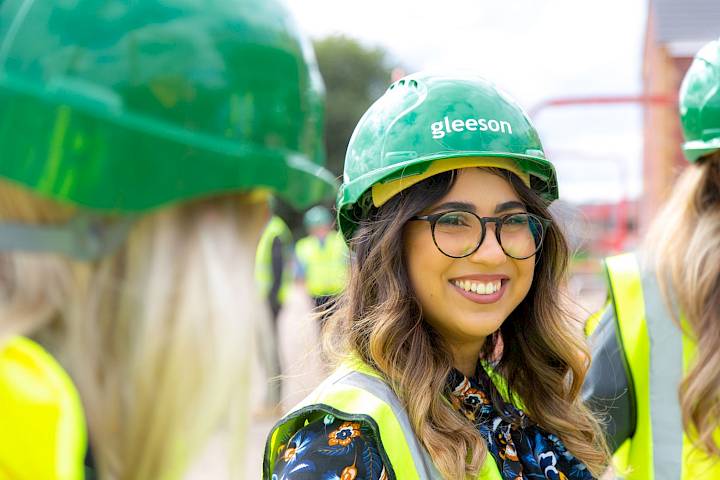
x=476 y=291
x=481 y=288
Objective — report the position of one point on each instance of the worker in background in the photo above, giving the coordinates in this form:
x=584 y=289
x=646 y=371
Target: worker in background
x=140 y=142
x=321 y=258
x=273 y=275
x=273 y=262
x=655 y=372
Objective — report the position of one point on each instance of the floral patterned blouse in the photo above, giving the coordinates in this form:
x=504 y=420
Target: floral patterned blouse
x=334 y=449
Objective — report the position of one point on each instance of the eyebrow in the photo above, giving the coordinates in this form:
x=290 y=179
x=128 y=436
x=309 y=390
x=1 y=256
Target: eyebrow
x=501 y=207
x=455 y=206
x=512 y=205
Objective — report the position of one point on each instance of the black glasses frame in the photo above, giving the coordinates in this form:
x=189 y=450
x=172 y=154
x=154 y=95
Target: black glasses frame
x=498 y=221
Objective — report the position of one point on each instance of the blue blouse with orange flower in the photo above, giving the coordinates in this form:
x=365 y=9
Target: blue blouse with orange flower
x=334 y=449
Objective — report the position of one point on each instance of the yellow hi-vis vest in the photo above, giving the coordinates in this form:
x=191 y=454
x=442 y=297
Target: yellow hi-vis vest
x=658 y=355
x=326 y=264
x=355 y=392
x=276 y=228
x=42 y=426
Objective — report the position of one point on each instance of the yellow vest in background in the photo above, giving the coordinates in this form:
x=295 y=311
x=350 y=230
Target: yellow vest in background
x=659 y=355
x=276 y=228
x=42 y=426
x=325 y=265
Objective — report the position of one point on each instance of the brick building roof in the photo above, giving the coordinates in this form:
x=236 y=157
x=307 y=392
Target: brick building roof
x=685 y=25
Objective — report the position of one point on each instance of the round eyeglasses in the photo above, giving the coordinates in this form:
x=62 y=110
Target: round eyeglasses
x=459 y=233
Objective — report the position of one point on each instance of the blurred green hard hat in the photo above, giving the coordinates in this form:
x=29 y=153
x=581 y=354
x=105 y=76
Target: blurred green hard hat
x=700 y=103
x=426 y=124
x=317 y=216
x=125 y=106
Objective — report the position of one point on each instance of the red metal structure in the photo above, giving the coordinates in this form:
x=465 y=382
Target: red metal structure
x=614 y=240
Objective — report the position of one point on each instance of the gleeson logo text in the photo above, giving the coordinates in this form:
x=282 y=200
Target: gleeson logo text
x=445 y=126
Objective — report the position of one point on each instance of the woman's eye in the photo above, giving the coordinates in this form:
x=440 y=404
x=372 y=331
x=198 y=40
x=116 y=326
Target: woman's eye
x=520 y=219
x=453 y=220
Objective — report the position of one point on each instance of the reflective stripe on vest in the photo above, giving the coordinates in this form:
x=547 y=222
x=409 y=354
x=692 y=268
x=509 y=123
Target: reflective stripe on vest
x=356 y=392
x=42 y=426
x=658 y=355
x=326 y=265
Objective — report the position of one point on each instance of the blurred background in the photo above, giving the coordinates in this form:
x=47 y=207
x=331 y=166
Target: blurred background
x=599 y=79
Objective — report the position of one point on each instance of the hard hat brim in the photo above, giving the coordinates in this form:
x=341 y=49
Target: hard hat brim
x=697 y=149
x=112 y=160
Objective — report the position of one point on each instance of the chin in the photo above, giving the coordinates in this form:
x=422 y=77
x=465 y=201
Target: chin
x=479 y=332
x=484 y=325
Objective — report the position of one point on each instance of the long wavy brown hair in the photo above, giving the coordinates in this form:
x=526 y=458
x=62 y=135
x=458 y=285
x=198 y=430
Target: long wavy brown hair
x=685 y=251
x=539 y=353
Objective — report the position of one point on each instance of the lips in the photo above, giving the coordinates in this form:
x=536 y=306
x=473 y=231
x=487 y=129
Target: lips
x=481 y=289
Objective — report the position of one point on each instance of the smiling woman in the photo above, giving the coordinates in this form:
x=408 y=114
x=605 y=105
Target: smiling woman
x=450 y=339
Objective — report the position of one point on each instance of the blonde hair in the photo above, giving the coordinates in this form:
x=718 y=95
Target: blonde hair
x=157 y=336
x=685 y=252
x=380 y=319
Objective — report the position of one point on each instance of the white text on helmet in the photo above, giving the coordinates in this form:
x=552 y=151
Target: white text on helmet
x=439 y=129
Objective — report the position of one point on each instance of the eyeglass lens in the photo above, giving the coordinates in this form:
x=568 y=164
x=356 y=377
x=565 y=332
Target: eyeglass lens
x=458 y=234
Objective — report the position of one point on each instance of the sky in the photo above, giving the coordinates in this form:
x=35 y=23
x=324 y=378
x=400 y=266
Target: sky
x=535 y=50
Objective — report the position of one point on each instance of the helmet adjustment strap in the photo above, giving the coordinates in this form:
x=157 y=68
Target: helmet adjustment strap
x=87 y=236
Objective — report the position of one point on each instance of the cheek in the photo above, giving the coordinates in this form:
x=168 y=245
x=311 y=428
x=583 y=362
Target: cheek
x=412 y=246
x=526 y=273
x=425 y=264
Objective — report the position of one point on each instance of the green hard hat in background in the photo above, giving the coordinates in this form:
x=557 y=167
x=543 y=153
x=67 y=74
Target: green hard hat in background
x=700 y=103
x=424 y=119
x=317 y=216
x=124 y=106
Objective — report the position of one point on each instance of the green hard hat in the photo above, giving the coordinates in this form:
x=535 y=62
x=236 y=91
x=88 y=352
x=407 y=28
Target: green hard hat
x=316 y=216
x=425 y=124
x=700 y=103
x=124 y=106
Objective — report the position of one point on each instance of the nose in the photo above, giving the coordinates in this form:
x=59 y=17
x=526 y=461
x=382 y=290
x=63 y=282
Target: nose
x=489 y=252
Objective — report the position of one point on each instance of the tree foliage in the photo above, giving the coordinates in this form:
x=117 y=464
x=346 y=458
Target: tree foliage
x=355 y=76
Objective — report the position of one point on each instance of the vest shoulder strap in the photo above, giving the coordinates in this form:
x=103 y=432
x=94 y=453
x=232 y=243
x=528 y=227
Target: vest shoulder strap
x=626 y=291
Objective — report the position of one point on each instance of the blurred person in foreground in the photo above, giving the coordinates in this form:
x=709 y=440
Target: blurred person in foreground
x=456 y=359
x=321 y=258
x=656 y=365
x=140 y=142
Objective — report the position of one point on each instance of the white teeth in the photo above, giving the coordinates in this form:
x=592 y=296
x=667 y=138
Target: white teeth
x=478 y=287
